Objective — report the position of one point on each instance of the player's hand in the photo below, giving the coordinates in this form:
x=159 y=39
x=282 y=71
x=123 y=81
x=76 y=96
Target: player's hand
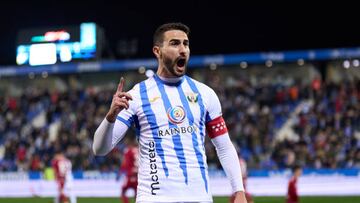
x=238 y=197
x=119 y=102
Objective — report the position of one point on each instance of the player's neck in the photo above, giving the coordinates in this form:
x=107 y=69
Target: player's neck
x=171 y=80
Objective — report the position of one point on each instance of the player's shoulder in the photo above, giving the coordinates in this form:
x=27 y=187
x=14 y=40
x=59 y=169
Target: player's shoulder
x=135 y=90
x=126 y=150
x=54 y=162
x=292 y=179
x=144 y=85
x=200 y=85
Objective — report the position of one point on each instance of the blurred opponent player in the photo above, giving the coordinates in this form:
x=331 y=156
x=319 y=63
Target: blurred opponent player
x=292 y=193
x=63 y=175
x=129 y=167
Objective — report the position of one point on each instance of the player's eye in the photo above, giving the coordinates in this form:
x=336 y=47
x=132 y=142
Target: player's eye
x=174 y=42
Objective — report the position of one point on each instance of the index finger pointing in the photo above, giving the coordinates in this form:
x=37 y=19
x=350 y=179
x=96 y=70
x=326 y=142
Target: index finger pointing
x=121 y=85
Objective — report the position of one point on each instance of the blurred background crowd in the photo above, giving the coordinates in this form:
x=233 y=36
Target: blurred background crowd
x=276 y=118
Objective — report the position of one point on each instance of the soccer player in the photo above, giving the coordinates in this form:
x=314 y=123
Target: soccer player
x=292 y=193
x=129 y=167
x=172 y=113
x=63 y=175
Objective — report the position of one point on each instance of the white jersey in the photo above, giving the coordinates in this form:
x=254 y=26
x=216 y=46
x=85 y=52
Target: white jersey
x=170 y=120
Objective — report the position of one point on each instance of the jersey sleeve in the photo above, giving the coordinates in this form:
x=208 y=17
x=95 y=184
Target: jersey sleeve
x=107 y=135
x=215 y=124
x=213 y=108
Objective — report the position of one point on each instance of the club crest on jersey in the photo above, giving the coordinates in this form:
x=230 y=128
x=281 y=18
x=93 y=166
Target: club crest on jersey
x=176 y=114
x=192 y=97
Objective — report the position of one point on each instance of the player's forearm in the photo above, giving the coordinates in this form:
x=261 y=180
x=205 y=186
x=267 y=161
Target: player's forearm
x=229 y=161
x=111 y=117
x=103 y=138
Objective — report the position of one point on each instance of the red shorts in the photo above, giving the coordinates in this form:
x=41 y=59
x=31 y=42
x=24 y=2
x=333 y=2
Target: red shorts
x=130 y=182
x=61 y=183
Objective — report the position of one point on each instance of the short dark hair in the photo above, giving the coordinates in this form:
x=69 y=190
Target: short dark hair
x=296 y=167
x=159 y=32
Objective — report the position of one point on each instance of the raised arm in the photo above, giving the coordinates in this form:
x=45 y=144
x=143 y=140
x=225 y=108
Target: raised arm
x=111 y=131
x=119 y=102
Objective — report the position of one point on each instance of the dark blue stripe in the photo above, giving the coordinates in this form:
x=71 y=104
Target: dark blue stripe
x=202 y=108
x=198 y=153
x=146 y=106
x=127 y=122
x=178 y=147
x=208 y=118
x=137 y=126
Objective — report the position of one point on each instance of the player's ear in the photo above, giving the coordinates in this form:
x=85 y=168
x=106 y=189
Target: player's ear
x=156 y=51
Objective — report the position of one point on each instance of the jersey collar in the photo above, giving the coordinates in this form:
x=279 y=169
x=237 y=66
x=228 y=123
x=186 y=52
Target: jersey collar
x=169 y=81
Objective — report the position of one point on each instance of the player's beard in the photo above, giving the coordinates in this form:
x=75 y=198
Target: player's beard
x=173 y=68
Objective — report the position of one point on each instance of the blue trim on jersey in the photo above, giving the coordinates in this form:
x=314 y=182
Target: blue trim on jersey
x=208 y=118
x=127 y=122
x=146 y=106
x=157 y=78
x=202 y=108
x=198 y=153
x=137 y=126
x=178 y=147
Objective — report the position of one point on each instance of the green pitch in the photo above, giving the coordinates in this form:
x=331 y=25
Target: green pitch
x=346 y=199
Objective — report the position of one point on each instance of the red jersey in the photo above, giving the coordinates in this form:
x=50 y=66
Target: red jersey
x=129 y=166
x=62 y=167
x=292 y=195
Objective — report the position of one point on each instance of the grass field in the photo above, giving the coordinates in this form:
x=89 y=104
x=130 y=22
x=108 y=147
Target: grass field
x=347 y=199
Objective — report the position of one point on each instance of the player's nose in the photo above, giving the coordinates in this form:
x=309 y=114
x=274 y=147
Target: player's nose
x=183 y=49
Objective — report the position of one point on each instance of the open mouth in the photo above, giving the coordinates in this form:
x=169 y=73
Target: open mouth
x=181 y=63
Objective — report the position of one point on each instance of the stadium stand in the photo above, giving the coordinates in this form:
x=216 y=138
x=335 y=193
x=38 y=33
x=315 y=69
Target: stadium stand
x=278 y=115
